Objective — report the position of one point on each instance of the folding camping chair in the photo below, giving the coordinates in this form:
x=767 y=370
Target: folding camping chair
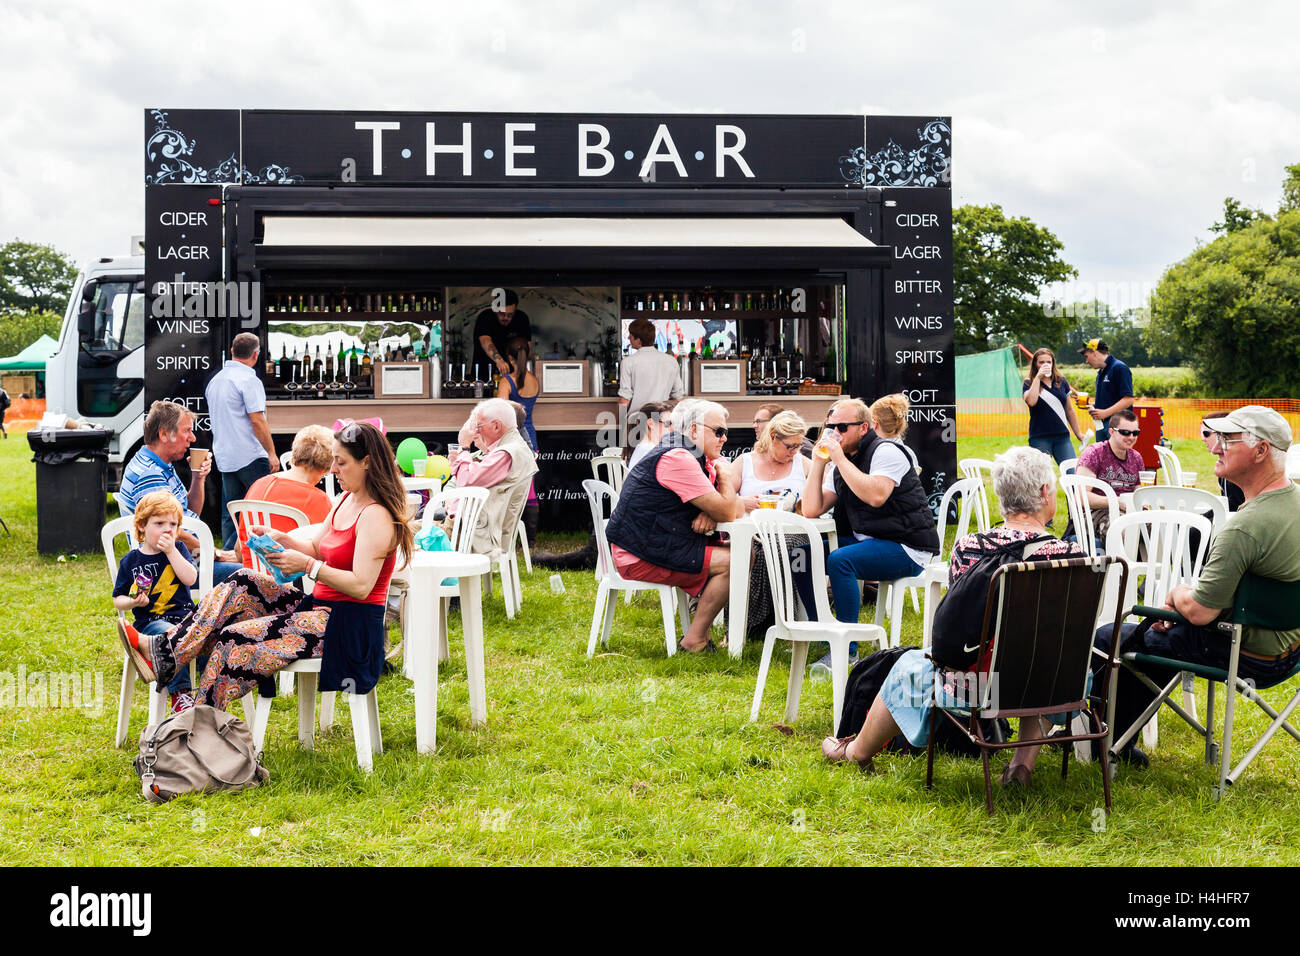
x=1039 y=620
x=1259 y=602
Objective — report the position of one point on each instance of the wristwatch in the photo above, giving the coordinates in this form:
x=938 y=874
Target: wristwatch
x=315 y=570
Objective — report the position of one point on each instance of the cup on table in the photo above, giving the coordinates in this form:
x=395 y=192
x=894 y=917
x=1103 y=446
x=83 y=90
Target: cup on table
x=1146 y=478
x=768 y=501
x=1189 y=479
x=417 y=467
x=197 y=457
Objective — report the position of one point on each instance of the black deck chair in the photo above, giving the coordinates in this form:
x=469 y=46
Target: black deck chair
x=1040 y=620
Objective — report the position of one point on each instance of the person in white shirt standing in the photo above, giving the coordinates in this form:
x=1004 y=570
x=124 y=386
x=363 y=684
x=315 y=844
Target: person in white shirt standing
x=241 y=437
x=647 y=375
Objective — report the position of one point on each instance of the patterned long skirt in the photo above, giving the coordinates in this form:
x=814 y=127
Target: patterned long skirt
x=249 y=627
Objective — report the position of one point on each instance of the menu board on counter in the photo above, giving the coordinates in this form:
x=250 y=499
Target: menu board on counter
x=186 y=303
x=918 y=334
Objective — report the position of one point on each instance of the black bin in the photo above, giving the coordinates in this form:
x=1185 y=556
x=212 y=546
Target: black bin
x=71 y=487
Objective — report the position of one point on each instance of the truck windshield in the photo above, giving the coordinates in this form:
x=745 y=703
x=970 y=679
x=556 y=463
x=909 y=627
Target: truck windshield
x=119 y=319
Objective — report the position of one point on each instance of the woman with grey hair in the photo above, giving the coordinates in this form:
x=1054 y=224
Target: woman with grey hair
x=1024 y=479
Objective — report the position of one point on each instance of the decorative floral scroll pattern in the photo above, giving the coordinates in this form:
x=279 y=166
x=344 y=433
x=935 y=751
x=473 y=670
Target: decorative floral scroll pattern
x=929 y=164
x=167 y=157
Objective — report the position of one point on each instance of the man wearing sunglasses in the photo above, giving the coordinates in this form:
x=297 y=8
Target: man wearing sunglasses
x=1262 y=538
x=1115 y=462
x=885 y=525
x=668 y=506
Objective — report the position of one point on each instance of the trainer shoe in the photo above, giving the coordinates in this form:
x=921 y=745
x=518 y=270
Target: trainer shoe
x=136 y=646
x=182 y=703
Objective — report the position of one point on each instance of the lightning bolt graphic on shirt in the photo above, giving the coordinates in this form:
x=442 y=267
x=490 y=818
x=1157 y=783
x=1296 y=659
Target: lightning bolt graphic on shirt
x=163 y=590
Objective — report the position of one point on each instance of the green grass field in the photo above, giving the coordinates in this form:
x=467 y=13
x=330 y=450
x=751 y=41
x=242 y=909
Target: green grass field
x=629 y=758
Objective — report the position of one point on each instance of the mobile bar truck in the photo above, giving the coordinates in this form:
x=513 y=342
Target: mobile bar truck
x=781 y=258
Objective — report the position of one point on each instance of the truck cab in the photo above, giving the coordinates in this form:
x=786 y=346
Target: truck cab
x=97 y=372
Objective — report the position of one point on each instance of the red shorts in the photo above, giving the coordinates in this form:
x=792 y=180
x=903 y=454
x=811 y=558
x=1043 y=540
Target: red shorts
x=634 y=569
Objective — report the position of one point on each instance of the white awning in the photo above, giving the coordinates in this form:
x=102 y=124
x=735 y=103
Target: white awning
x=555 y=232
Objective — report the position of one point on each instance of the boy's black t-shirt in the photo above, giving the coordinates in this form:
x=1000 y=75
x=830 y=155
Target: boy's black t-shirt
x=169 y=599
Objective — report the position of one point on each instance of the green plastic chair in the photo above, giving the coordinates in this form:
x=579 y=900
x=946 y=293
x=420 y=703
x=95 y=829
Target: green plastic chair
x=1259 y=602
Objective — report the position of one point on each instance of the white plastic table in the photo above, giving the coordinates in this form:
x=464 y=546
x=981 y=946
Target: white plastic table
x=425 y=634
x=742 y=532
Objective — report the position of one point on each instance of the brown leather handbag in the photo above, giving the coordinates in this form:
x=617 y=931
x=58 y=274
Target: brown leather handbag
x=200 y=750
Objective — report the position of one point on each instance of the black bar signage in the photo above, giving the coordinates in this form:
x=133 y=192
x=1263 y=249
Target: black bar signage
x=918 y=320
x=187 y=305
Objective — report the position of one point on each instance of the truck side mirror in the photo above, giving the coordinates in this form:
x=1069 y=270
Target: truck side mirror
x=86 y=321
x=89 y=289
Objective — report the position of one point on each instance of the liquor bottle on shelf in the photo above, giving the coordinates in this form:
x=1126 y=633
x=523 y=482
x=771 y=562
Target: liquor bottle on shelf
x=707 y=351
x=435 y=374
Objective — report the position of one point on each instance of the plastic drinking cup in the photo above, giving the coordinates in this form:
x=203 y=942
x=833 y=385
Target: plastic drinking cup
x=1146 y=478
x=1189 y=479
x=557 y=584
x=417 y=467
x=768 y=501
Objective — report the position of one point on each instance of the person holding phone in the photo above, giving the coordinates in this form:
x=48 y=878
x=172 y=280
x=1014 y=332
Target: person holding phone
x=1051 y=412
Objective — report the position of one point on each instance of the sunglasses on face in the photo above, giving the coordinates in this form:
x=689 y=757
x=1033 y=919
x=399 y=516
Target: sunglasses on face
x=1205 y=434
x=791 y=446
x=1127 y=433
x=720 y=432
x=842 y=427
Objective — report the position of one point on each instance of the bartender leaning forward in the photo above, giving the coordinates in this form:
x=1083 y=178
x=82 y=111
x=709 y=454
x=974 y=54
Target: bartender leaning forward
x=495 y=326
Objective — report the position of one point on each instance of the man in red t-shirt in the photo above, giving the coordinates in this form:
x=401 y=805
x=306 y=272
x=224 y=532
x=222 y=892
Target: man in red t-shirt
x=313 y=458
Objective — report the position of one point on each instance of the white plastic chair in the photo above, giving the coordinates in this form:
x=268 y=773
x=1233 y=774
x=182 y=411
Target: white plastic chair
x=1176 y=498
x=366 y=734
x=469 y=504
x=1171 y=466
x=611 y=463
x=521 y=542
x=1067 y=467
x=1163 y=537
x=1076 y=489
x=977 y=468
x=157 y=695
x=774 y=528
x=889 y=602
x=1293 y=463
x=936 y=575
x=601 y=497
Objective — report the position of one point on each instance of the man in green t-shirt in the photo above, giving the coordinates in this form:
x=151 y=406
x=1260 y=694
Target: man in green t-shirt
x=1262 y=537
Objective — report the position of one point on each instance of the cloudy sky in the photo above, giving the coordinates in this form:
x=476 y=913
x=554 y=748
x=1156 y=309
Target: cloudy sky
x=1120 y=126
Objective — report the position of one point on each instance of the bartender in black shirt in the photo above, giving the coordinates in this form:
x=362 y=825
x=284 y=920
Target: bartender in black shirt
x=497 y=325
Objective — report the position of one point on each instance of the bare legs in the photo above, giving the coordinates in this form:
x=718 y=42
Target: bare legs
x=712 y=599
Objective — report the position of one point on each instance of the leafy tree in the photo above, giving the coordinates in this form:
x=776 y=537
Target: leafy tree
x=34 y=277
x=1237 y=216
x=1000 y=266
x=20 y=329
x=1124 y=332
x=1231 y=305
x=1291 y=189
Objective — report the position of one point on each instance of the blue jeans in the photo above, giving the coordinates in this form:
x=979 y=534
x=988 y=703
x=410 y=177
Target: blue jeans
x=869 y=560
x=234 y=486
x=180 y=684
x=1058 y=446
x=223 y=569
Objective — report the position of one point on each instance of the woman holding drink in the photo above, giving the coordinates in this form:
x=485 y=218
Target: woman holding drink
x=1051 y=412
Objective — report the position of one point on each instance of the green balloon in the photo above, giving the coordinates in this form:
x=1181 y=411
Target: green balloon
x=409 y=450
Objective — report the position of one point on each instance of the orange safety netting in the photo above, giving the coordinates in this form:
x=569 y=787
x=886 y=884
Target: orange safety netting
x=23 y=414
x=993 y=417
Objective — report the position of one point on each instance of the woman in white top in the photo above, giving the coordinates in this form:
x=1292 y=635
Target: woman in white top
x=775 y=466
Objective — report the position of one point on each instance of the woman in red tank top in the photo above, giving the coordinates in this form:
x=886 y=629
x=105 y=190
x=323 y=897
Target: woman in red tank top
x=250 y=626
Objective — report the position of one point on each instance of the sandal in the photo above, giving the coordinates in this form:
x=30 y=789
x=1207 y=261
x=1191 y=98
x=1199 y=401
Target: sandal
x=1017 y=774
x=836 y=750
x=708 y=648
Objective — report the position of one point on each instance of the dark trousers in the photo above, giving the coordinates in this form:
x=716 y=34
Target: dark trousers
x=234 y=486
x=1184 y=642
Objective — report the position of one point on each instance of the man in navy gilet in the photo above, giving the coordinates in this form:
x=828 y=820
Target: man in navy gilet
x=670 y=502
x=885 y=526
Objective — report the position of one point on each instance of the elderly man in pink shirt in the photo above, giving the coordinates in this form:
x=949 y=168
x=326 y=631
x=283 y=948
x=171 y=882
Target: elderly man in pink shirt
x=504 y=465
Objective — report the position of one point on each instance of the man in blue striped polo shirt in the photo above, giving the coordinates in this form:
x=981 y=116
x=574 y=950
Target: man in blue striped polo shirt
x=168 y=434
